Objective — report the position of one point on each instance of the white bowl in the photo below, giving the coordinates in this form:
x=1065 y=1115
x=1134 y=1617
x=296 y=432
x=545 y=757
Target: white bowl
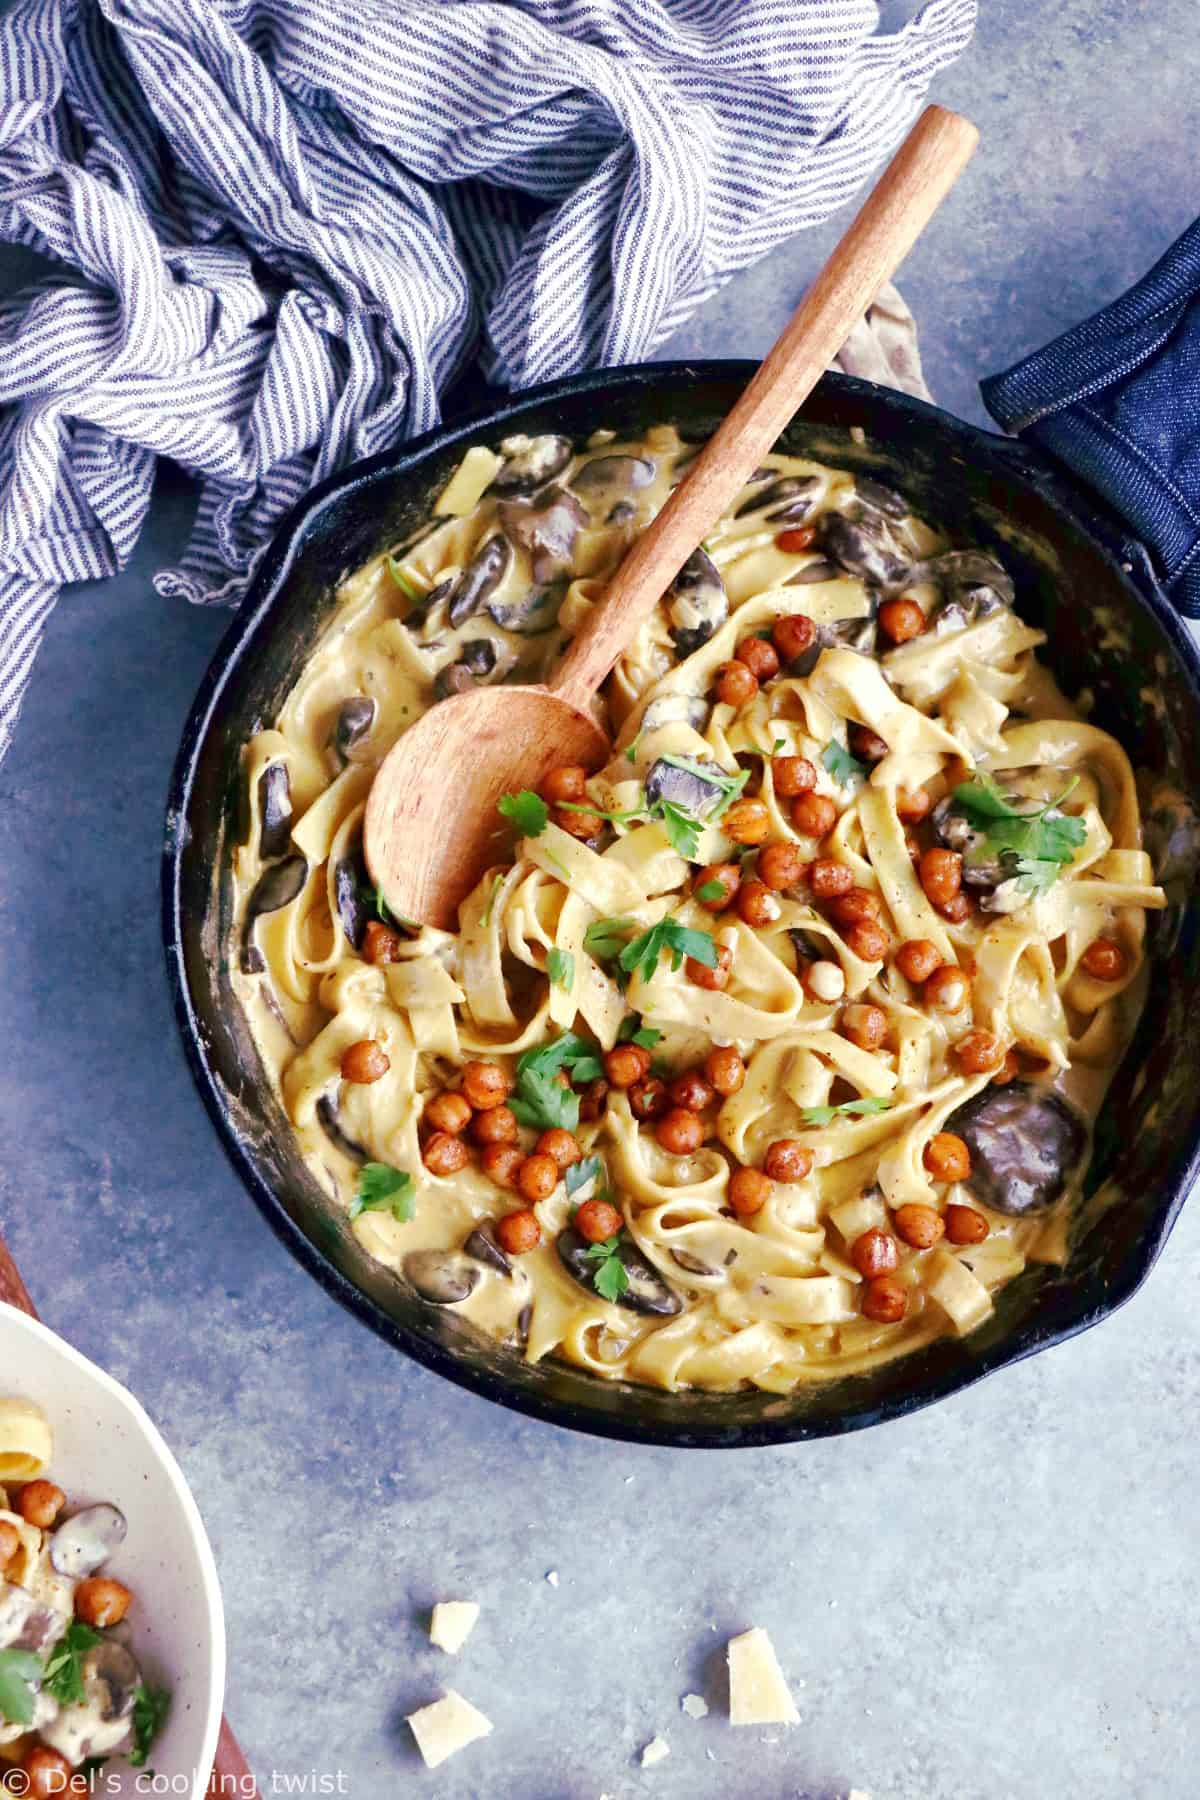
x=105 y=1448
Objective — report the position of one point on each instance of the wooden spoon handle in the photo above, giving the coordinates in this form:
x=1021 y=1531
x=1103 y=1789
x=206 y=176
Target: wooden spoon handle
x=901 y=204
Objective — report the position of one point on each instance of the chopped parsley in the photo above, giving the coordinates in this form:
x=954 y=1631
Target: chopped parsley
x=778 y=745
x=598 y=812
x=632 y=1031
x=497 y=884
x=580 y=1173
x=840 y=764
x=1036 y=845
x=526 y=810
x=384 y=1189
x=20 y=1673
x=606 y=938
x=825 y=1115
x=560 y=967
x=540 y=1100
x=728 y=786
x=150 y=1709
x=682 y=828
x=642 y=955
x=64 y=1665
x=610 y=1277
x=631 y=749
x=405 y=583
x=711 y=890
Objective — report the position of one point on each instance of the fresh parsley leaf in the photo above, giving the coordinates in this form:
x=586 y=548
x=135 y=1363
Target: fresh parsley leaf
x=606 y=938
x=580 y=1173
x=1035 y=846
x=610 y=1277
x=682 y=828
x=841 y=765
x=64 y=1665
x=497 y=884
x=20 y=1673
x=598 y=812
x=642 y=955
x=541 y=1101
x=381 y=907
x=150 y=1709
x=526 y=810
x=384 y=1189
x=825 y=1115
x=560 y=967
x=404 y=582
x=632 y=1031
x=711 y=890
x=778 y=745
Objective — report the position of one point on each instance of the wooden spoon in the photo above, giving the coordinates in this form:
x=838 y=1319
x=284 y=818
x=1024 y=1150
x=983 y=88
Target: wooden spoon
x=431 y=827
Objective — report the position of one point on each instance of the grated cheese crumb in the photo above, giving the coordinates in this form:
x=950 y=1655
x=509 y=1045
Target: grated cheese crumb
x=447 y=1726
x=656 y=1751
x=694 y=1706
x=552 y=1577
x=758 y=1693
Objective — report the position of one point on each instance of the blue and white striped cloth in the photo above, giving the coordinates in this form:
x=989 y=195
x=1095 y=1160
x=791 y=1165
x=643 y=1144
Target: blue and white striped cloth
x=280 y=226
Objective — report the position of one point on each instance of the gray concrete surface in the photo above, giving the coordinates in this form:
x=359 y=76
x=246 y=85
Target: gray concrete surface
x=994 y=1600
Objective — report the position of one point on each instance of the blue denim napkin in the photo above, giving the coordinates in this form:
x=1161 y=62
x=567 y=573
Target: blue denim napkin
x=1117 y=400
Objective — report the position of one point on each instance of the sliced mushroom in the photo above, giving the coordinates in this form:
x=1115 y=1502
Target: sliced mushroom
x=277 y=886
x=647 y=1291
x=480 y=579
x=354 y=721
x=482 y=1245
x=696 y=603
x=792 y=497
x=274 y=810
x=417 y=617
x=455 y=678
x=1024 y=1141
x=546 y=528
x=479 y=655
x=327 y=1118
x=607 y=481
x=443 y=1277
x=860 y=546
x=25 y=1624
x=533 y=613
x=881 y=499
x=691 y=787
x=672 y=709
x=813 y=572
x=972 y=581
x=86 y=1540
x=111 y=1678
x=355 y=902
x=101 y=1724
x=694 y=1265
x=531 y=467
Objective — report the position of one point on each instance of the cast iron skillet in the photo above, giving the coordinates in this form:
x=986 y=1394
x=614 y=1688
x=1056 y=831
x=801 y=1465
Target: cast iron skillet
x=1110 y=631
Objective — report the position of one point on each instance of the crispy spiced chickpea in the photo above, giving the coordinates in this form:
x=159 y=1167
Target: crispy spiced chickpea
x=747 y=822
x=865 y=744
x=1103 y=960
x=864 y=1025
x=597 y=1221
x=824 y=981
x=749 y=1191
x=10 y=1543
x=46 y=1774
x=978 y=1052
x=760 y=657
x=1008 y=1071
x=102 y=1602
x=444 y=1154
x=941 y=875
x=875 y=1253
x=792 y=775
x=517 y=1233
x=559 y=1144
x=757 y=905
x=885 y=1300
x=947 y=1157
x=498 y=1125
x=567 y=782
x=867 y=940
x=365 y=1062
x=946 y=990
x=485 y=1084
x=40 y=1502
x=964 y=1225
x=735 y=684
x=726 y=876
x=858 y=903
x=830 y=879
x=648 y=1098
x=917 y=958
x=713 y=979
x=814 y=816
x=447 y=1112
x=593 y=1101
x=792 y=636
x=626 y=1063
x=380 y=943
x=780 y=865
x=901 y=620
x=500 y=1163
x=679 y=1131
x=957 y=908
x=538 y=1176
x=582 y=825
x=691 y=1090
x=920 y=1226
x=724 y=1070
x=788 y=1160
x=795 y=539
x=913 y=805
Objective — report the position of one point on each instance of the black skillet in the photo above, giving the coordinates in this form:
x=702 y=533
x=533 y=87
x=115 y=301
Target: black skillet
x=1076 y=576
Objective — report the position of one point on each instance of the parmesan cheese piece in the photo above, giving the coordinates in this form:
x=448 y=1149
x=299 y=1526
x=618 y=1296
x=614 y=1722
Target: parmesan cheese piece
x=656 y=1751
x=452 y=1623
x=758 y=1694
x=695 y=1706
x=446 y=1726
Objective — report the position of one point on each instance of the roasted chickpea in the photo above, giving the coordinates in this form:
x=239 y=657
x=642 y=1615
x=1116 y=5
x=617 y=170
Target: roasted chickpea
x=865 y=744
x=365 y=1062
x=48 y=1776
x=885 y=1300
x=830 y=879
x=517 y=1233
x=447 y=1112
x=380 y=943
x=597 y=1221
x=1008 y=1071
x=814 y=815
x=747 y=822
x=102 y=1602
x=920 y=1226
x=1103 y=960
x=759 y=656
x=725 y=1070
x=941 y=875
x=901 y=620
x=978 y=1052
x=560 y=1145
x=780 y=865
x=626 y=1063
x=582 y=825
x=10 y=1543
x=793 y=636
x=538 y=1176
x=965 y=1226
x=593 y=1101
x=713 y=979
x=756 y=904
x=875 y=1253
x=735 y=683
x=788 y=1160
x=913 y=805
x=648 y=1098
x=917 y=958
x=797 y=538
x=692 y=1091
x=947 y=1158
x=500 y=1163
x=858 y=903
x=485 y=1084
x=726 y=876
x=792 y=775
x=946 y=990
x=866 y=1026
x=957 y=908
x=444 y=1154
x=567 y=782
x=749 y=1191
x=867 y=940
x=40 y=1502
x=680 y=1132
x=498 y=1125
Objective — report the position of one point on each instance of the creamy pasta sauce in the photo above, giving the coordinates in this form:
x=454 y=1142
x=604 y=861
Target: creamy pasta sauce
x=851 y=838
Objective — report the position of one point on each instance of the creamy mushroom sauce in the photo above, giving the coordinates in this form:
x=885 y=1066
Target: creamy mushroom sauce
x=516 y=552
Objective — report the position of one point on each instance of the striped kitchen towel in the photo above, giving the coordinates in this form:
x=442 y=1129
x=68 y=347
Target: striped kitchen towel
x=279 y=227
